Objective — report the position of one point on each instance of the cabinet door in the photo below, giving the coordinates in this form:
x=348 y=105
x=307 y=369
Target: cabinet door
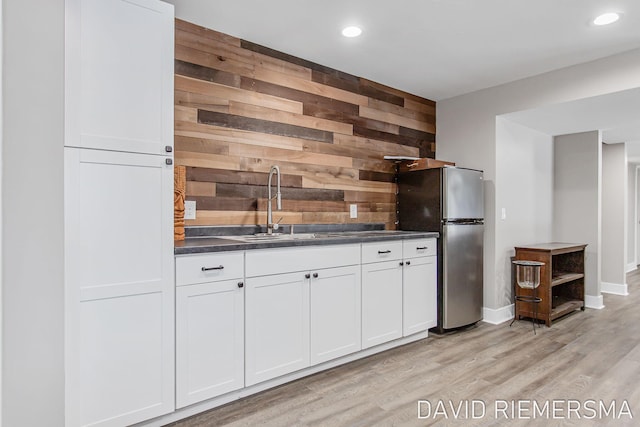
x=419 y=295
x=335 y=313
x=119 y=287
x=381 y=302
x=277 y=326
x=119 y=75
x=209 y=340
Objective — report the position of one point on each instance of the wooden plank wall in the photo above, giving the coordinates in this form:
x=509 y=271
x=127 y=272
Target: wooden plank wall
x=242 y=107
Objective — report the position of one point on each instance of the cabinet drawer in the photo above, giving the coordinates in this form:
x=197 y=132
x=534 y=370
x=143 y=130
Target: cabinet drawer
x=381 y=251
x=418 y=247
x=262 y=262
x=193 y=269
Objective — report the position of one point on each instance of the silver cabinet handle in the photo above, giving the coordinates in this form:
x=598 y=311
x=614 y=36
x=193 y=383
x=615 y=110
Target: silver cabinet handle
x=220 y=267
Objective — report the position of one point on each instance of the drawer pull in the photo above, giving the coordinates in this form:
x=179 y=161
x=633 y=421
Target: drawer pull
x=384 y=252
x=422 y=248
x=307 y=276
x=401 y=263
x=220 y=267
x=408 y=262
x=315 y=275
x=240 y=284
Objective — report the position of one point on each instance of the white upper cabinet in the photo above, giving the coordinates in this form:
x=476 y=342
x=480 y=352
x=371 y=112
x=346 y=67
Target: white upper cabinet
x=119 y=75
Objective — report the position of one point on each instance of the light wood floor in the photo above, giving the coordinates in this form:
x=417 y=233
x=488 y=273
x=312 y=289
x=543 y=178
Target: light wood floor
x=587 y=355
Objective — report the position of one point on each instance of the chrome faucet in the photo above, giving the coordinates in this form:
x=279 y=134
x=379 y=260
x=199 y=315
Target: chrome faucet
x=270 y=225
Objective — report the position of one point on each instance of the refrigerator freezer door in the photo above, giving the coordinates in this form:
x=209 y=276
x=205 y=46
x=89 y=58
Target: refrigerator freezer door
x=462 y=194
x=462 y=274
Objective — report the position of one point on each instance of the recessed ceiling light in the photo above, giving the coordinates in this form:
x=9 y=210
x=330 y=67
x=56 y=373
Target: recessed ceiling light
x=352 y=32
x=606 y=18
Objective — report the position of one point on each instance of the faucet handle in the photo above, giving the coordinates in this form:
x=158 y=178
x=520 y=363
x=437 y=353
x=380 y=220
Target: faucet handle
x=277 y=224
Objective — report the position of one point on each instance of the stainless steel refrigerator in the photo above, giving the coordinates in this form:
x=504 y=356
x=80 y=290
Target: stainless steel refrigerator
x=449 y=200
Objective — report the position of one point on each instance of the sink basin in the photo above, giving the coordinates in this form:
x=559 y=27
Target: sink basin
x=368 y=233
x=264 y=237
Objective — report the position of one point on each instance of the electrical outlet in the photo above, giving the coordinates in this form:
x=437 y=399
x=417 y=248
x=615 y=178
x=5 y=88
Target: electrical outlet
x=353 y=211
x=190 y=209
x=504 y=213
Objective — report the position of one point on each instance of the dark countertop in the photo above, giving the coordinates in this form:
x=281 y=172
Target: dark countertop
x=196 y=245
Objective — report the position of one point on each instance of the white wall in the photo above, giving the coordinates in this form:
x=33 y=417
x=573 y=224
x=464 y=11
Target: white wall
x=466 y=131
x=32 y=214
x=577 y=199
x=632 y=220
x=1 y=192
x=614 y=215
x=637 y=224
x=524 y=163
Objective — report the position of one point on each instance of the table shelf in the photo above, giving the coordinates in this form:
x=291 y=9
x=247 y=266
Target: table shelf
x=562 y=279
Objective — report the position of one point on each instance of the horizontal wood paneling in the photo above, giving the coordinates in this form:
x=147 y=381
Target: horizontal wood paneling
x=242 y=107
x=264 y=126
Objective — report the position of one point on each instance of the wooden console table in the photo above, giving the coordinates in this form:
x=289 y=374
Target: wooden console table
x=561 y=280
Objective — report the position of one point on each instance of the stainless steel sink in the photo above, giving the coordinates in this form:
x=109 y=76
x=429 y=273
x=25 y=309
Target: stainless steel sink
x=368 y=233
x=264 y=237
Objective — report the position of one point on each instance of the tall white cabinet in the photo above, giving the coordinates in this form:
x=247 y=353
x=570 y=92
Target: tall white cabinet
x=119 y=319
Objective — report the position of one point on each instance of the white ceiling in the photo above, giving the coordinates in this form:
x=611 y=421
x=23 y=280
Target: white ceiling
x=433 y=48
x=617 y=115
x=442 y=48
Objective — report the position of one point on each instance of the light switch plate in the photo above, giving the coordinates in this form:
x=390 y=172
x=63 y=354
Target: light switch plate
x=503 y=214
x=190 y=209
x=353 y=211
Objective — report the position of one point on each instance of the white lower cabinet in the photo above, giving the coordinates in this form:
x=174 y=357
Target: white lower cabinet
x=335 y=313
x=243 y=318
x=277 y=326
x=419 y=295
x=419 y=282
x=209 y=326
x=381 y=302
x=209 y=340
x=119 y=288
x=302 y=308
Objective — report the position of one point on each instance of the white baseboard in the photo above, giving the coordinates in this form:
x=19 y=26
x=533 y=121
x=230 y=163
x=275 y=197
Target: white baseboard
x=614 y=288
x=497 y=316
x=631 y=267
x=591 y=301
